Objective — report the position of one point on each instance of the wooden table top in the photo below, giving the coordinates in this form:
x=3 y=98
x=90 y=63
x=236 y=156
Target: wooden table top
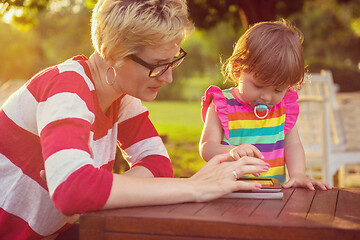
x=301 y=214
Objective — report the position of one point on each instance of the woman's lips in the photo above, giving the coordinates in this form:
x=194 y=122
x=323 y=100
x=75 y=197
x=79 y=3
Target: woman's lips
x=155 y=89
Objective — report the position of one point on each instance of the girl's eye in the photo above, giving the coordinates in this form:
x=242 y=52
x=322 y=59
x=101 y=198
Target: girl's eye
x=280 y=90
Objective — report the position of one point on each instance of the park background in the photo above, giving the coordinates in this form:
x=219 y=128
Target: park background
x=35 y=34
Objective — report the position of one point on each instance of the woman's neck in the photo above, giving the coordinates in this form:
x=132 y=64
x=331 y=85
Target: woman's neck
x=105 y=92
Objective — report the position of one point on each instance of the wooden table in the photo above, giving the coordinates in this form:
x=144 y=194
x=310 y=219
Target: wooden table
x=302 y=214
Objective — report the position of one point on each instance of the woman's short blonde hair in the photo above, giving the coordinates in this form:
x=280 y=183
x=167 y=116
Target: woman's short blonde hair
x=272 y=51
x=123 y=27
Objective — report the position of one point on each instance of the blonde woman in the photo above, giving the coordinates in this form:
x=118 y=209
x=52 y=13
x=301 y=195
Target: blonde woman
x=69 y=119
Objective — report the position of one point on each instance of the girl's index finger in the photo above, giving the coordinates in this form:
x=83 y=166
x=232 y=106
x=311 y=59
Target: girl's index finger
x=257 y=152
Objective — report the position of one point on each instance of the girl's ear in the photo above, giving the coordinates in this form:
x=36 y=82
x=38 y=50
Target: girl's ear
x=236 y=70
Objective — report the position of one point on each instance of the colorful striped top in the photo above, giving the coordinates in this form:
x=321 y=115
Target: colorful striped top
x=240 y=125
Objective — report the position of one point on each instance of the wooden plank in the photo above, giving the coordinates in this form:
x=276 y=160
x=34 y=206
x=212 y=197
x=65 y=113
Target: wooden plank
x=347 y=215
x=215 y=209
x=271 y=208
x=323 y=207
x=91 y=227
x=159 y=209
x=187 y=209
x=297 y=207
x=125 y=236
x=241 y=209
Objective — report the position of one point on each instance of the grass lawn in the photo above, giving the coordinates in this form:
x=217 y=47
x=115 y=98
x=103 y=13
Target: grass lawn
x=181 y=123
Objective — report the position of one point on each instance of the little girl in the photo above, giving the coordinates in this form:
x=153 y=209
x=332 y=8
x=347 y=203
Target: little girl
x=257 y=118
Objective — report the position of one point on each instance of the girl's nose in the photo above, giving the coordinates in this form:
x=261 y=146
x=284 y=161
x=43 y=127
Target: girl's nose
x=166 y=76
x=266 y=97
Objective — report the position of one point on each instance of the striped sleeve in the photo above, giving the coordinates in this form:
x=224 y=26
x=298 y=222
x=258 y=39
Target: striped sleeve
x=139 y=139
x=65 y=115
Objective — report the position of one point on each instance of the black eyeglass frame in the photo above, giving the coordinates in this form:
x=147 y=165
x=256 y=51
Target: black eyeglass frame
x=152 y=67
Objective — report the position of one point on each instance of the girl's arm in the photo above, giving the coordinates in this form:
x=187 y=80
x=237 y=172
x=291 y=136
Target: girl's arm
x=210 y=141
x=294 y=153
x=212 y=134
x=295 y=162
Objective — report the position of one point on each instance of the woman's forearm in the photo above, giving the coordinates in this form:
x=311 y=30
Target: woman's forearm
x=139 y=171
x=128 y=191
x=213 y=180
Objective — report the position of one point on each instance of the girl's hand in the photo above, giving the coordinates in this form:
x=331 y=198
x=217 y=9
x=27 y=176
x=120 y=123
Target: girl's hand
x=217 y=178
x=301 y=180
x=245 y=149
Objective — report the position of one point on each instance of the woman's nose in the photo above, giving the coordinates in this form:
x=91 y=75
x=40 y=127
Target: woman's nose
x=166 y=76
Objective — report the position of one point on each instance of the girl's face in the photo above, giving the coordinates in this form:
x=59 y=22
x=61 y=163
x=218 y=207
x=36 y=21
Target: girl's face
x=251 y=91
x=133 y=78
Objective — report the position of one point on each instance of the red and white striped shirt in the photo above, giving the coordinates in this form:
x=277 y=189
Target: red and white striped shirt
x=54 y=122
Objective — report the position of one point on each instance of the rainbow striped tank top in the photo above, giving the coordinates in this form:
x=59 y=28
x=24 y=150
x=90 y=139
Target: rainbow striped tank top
x=240 y=126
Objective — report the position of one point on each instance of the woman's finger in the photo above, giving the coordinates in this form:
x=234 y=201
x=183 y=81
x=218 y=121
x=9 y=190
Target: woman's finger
x=250 y=169
x=242 y=185
x=219 y=158
x=252 y=161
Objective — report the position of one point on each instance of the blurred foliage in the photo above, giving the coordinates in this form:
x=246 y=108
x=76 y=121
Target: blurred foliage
x=16 y=63
x=60 y=34
x=201 y=67
x=207 y=13
x=332 y=40
x=331 y=29
x=181 y=123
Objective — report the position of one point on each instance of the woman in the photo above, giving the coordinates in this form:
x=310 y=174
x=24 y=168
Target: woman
x=68 y=119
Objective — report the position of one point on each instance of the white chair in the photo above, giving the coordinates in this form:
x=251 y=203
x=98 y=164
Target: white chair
x=322 y=129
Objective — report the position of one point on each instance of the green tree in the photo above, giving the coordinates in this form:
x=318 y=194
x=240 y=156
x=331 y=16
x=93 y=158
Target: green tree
x=65 y=32
x=24 y=13
x=331 y=39
x=207 y=13
x=62 y=32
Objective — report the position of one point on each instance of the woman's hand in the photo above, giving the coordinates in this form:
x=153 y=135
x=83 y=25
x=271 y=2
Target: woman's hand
x=218 y=177
x=301 y=180
x=245 y=149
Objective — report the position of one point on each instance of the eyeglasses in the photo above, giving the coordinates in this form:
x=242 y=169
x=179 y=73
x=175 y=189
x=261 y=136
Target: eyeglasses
x=158 y=70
